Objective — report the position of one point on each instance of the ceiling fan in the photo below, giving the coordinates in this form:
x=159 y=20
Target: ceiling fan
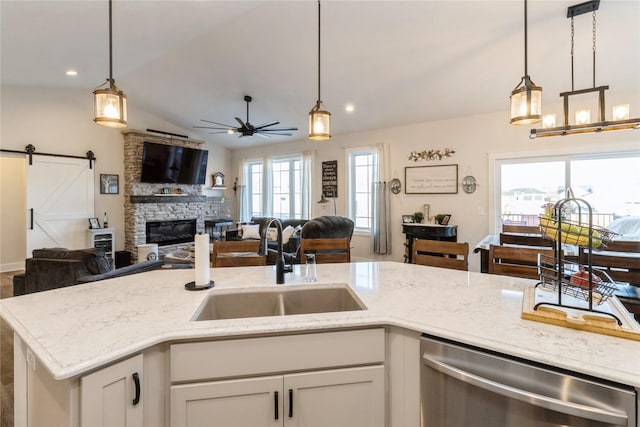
x=246 y=128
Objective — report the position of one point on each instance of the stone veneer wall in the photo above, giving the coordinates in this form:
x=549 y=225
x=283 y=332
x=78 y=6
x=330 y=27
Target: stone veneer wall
x=167 y=207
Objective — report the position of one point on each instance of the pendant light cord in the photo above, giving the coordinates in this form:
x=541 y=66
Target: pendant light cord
x=110 y=48
x=525 y=39
x=318 y=50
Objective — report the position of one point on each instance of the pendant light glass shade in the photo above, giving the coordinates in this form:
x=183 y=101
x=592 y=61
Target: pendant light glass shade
x=526 y=103
x=110 y=107
x=319 y=123
x=110 y=104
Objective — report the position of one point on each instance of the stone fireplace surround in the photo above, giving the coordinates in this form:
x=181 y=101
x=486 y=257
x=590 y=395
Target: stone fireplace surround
x=143 y=202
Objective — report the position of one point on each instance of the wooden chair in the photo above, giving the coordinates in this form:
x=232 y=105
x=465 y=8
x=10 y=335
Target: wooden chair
x=525 y=240
x=516 y=261
x=237 y=254
x=437 y=253
x=326 y=250
x=523 y=229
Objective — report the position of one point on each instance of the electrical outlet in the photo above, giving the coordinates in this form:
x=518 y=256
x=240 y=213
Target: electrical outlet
x=481 y=210
x=31 y=359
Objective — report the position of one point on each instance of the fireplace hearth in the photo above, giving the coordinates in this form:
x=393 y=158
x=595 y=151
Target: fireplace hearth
x=171 y=232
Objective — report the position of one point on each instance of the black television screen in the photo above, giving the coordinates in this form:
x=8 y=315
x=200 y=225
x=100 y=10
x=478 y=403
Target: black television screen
x=170 y=164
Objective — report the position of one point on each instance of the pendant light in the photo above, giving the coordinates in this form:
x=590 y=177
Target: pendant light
x=583 y=123
x=319 y=118
x=526 y=98
x=110 y=104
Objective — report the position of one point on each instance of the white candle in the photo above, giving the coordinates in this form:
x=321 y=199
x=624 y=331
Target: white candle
x=202 y=267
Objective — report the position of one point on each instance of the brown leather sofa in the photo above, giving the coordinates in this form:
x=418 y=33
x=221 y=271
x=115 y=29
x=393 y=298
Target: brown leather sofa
x=52 y=268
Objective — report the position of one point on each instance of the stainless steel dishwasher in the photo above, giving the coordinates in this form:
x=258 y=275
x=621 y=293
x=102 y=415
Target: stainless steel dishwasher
x=466 y=387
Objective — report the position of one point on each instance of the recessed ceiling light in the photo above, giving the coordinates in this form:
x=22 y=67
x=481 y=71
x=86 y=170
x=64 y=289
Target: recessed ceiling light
x=71 y=73
x=349 y=108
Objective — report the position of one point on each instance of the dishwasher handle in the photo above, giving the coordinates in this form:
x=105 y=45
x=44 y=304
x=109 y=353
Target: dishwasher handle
x=587 y=412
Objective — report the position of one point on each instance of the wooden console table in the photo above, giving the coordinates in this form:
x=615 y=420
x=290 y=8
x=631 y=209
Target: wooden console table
x=427 y=231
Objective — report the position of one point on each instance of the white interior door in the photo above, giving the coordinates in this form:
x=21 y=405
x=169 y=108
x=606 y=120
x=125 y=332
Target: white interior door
x=60 y=193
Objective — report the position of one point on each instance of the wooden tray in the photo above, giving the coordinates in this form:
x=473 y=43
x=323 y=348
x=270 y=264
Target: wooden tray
x=578 y=319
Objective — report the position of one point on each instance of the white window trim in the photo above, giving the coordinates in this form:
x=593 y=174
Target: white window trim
x=349 y=152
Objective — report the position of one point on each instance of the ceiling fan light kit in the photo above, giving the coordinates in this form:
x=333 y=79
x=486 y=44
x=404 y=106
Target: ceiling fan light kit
x=110 y=104
x=583 y=124
x=526 y=98
x=319 y=117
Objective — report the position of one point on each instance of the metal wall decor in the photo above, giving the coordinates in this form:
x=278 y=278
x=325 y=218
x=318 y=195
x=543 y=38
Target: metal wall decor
x=395 y=185
x=431 y=154
x=469 y=184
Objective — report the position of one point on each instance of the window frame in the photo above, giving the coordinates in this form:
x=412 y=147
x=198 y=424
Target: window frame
x=351 y=185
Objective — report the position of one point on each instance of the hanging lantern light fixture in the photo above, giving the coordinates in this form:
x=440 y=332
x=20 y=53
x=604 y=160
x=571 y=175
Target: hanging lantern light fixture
x=526 y=98
x=319 y=117
x=110 y=104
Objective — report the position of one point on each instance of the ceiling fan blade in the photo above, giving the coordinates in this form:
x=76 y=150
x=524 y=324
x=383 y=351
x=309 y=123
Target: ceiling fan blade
x=211 y=127
x=277 y=130
x=216 y=123
x=266 y=125
x=213 y=133
x=264 y=135
x=273 y=133
x=242 y=124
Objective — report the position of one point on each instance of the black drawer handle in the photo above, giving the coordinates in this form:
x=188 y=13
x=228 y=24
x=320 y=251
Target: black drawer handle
x=136 y=382
x=276 y=405
x=290 y=403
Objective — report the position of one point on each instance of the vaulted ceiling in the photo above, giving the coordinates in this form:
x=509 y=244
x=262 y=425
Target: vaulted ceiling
x=397 y=62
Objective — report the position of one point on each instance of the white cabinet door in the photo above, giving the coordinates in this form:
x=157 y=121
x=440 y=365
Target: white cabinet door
x=108 y=397
x=252 y=402
x=351 y=397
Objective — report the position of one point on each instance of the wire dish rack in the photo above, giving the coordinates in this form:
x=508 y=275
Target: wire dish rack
x=574 y=280
x=564 y=277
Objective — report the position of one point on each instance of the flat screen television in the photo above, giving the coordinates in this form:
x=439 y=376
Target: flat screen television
x=170 y=164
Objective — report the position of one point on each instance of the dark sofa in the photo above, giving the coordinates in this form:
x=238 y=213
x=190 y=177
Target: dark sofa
x=291 y=247
x=52 y=268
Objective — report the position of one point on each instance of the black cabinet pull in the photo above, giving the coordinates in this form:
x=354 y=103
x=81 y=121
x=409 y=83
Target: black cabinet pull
x=290 y=403
x=136 y=381
x=276 y=405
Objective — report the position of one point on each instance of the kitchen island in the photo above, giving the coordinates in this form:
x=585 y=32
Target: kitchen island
x=77 y=330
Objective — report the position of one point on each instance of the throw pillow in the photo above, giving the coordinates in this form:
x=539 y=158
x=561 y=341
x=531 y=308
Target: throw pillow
x=272 y=234
x=286 y=234
x=251 y=231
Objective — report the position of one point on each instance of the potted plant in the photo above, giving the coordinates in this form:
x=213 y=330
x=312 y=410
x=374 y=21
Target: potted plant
x=439 y=218
x=418 y=217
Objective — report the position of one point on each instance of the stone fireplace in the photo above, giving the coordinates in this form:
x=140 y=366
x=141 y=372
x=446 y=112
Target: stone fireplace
x=146 y=203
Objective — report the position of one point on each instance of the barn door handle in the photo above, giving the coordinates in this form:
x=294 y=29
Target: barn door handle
x=31 y=219
x=136 y=382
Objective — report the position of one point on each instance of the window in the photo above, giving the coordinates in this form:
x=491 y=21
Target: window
x=279 y=194
x=362 y=169
x=609 y=183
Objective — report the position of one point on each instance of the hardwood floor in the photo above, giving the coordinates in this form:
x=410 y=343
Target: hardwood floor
x=6 y=356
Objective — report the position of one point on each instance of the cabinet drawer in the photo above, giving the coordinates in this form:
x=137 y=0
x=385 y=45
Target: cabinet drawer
x=251 y=356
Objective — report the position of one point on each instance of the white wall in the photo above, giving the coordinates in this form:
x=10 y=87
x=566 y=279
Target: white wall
x=475 y=139
x=13 y=211
x=61 y=121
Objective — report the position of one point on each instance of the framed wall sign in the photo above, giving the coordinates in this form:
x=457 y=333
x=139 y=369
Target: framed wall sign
x=330 y=178
x=109 y=184
x=431 y=179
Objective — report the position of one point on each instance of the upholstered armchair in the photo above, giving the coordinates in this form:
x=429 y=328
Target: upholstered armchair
x=59 y=267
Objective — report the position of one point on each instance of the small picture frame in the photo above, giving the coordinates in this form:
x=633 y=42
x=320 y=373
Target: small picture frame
x=109 y=184
x=94 y=223
x=407 y=219
x=217 y=179
x=445 y=220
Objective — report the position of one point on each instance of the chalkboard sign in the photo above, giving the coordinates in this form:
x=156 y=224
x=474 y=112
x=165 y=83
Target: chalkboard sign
x=330 y=178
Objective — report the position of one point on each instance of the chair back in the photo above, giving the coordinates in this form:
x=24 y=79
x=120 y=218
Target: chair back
x=516 y=261
x=523 y=229
x=237 y=254
x=620 y=259
x=444 y=254
x=525 y=240
x=326 y=250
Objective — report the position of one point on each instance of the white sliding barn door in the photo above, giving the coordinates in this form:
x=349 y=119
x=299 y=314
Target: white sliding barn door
x=60 y=194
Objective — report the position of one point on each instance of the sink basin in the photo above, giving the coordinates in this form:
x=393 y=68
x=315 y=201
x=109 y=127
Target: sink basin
x=288 y=301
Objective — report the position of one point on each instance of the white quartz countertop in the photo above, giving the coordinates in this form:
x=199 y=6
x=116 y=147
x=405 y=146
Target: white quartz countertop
x=76 y=329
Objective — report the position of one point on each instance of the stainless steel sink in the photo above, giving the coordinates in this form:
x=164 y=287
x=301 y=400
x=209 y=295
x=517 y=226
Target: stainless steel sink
x=287 y=301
